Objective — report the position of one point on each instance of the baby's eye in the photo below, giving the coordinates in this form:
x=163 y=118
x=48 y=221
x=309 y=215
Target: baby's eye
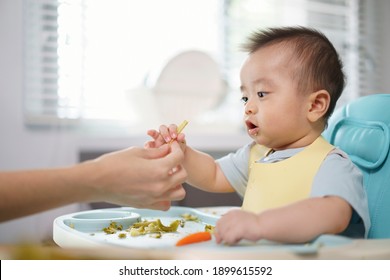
x=261 y=94
x=244 y=99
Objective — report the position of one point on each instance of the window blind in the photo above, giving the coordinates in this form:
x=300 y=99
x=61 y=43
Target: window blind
x=370 y=47
x=43 y=102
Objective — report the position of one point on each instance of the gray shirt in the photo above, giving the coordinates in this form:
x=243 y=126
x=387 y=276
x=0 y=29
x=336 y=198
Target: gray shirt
x=337 y=176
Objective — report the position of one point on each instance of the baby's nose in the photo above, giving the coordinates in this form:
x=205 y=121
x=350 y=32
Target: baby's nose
x=250 y=108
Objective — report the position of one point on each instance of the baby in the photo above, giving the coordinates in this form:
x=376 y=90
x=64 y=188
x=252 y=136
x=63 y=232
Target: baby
x=296 y=186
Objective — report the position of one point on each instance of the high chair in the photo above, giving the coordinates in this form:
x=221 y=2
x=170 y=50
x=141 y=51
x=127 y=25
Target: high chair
x=361 y=129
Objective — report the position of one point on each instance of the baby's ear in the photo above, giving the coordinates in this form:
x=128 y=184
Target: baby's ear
x=318 y=105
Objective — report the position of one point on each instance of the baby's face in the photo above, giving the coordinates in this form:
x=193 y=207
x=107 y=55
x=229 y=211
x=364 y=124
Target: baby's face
x=275 y=112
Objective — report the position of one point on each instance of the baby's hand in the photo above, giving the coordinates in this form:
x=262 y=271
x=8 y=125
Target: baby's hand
x=157 y=141
x=237 y=225
x=166 y=134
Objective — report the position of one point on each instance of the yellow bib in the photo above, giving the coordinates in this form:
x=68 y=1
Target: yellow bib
x=280 y=183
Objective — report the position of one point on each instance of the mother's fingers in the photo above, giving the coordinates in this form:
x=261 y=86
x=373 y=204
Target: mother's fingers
x=163 y=202
x=160 y=205
x=153 y=153
x=174 y=158
x=176 y=193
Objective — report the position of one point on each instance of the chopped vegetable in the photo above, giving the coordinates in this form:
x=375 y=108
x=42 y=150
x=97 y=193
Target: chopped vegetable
x=122 y=235
x=189 y=217
x=209 y=228
x=145 y=227
x=194 y=238
x=112 y=228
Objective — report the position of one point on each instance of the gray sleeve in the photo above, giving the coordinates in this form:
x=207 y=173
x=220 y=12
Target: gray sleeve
x=338 y=176
x=235 y=167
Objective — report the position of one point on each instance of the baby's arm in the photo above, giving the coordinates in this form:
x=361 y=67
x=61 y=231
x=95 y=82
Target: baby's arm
x=295 y=223
x=203 y=172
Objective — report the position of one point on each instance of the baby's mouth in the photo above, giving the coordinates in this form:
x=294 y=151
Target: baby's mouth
x=252 y=128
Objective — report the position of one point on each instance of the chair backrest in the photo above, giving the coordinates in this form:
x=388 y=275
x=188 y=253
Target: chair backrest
x=361 y=129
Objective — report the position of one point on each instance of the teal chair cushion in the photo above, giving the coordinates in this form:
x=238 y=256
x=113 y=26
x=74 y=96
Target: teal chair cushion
x=361 y=129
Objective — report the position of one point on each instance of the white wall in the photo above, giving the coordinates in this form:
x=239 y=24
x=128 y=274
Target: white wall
x=23 y=148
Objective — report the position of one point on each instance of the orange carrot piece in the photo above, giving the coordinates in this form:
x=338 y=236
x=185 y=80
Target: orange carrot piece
x=194 y=238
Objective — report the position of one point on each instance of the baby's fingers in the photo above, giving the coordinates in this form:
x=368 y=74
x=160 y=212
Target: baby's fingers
x=168 y=132
x=153 y=133
x=158 y=139
x=173 y=131
x=150 y=144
